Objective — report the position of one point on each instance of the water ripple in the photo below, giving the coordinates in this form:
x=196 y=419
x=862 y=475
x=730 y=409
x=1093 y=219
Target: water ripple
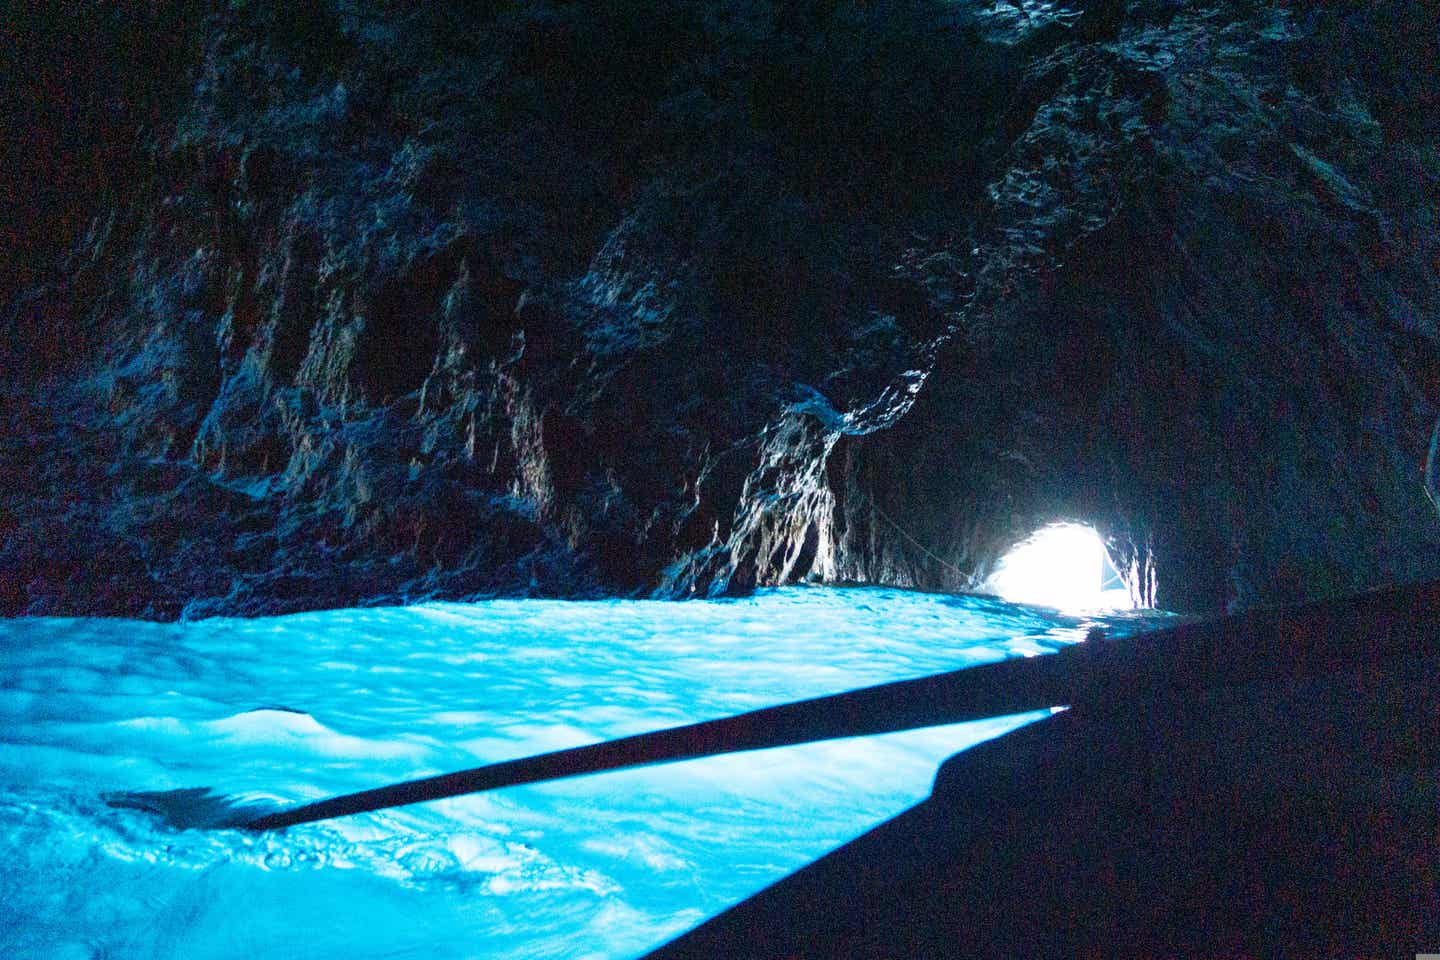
x=296 y=708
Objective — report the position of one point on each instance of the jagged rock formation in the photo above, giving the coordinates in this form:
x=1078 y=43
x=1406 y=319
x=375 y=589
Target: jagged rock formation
x=326 y=302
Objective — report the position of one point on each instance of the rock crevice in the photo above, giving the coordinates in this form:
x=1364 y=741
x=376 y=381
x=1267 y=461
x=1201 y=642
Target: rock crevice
x=374 y=304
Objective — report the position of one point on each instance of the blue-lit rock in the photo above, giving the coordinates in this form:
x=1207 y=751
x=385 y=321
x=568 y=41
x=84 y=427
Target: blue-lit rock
x=320 y=303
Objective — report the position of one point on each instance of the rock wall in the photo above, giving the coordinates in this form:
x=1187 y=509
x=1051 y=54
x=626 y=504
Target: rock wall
x=377 y=302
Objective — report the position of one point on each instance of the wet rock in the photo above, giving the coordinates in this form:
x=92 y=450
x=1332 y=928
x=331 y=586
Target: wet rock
x=385 y=304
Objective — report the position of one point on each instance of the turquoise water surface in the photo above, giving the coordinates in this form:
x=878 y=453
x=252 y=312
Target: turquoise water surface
x=300 y=707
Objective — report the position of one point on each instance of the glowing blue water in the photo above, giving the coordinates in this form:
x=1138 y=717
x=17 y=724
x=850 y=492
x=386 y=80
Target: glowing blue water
x=305 y=706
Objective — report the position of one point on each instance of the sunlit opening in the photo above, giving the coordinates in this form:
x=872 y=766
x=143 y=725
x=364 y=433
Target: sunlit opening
x=1062 y=566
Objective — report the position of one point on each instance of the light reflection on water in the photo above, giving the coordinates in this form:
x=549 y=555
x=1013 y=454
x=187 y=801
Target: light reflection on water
x=300 y=707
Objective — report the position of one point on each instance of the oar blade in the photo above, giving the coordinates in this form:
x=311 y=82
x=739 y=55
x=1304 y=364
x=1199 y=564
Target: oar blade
x=194 y=808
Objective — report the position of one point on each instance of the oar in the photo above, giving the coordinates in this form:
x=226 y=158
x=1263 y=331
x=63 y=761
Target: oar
x=1098 y=676
x=977 y=693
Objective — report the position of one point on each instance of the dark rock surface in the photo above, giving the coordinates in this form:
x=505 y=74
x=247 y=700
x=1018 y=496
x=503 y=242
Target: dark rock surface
x=323 y=303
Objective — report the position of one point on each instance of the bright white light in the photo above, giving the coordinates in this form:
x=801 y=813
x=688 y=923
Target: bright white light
x=1061 y=566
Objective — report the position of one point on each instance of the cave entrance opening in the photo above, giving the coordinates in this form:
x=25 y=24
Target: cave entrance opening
x=1063 y=565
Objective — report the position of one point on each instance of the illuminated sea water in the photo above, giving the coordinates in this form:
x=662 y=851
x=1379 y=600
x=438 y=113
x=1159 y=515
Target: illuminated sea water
x=300 y=707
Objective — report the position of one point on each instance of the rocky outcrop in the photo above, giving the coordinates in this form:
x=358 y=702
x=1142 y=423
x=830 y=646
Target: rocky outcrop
x=379 y=303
